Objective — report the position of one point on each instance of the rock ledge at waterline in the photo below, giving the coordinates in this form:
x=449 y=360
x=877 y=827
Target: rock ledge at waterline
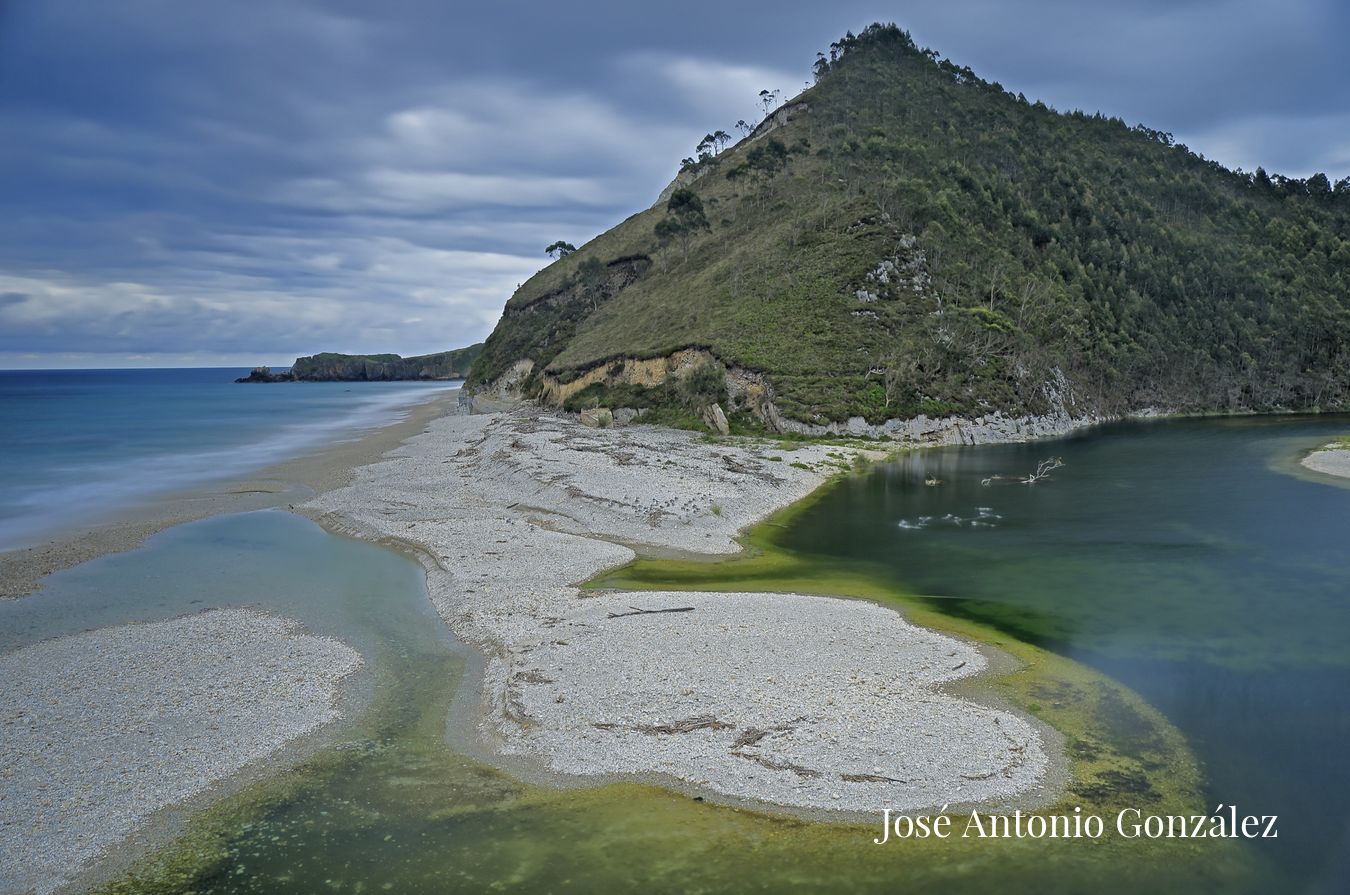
x=811 y=703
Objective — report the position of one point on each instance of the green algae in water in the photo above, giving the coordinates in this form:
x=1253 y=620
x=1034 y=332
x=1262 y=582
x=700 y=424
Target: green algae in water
x=403 y=812
x=392 y=807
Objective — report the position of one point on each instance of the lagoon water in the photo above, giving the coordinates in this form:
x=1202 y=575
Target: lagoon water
x=1194 y=561
x=81 y=444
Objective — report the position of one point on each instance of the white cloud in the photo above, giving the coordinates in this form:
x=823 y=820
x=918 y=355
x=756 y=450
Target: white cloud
x=381 y=299
x=1250 y=142
x=402 y=191
x=720 y=92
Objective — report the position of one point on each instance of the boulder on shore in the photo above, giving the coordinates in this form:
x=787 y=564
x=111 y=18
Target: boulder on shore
x=716 y=419
x=597 y=417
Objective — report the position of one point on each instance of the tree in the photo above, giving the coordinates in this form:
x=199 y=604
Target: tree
x=560 y=249
x=764 y=161
x=767 y=159
x=720 y=140
x=822 y=67
x=743 y=127
x=592 y=276
x=1319 y=186
x=768 y=99
x=684 y=217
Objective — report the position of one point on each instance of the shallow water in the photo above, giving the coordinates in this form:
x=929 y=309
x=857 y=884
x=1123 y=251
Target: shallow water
x=274 y=560
x=1185 y=559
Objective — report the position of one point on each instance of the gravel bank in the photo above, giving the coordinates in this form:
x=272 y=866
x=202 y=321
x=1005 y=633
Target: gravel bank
x=1330 y=460
x=100 y=730
x=806 y=702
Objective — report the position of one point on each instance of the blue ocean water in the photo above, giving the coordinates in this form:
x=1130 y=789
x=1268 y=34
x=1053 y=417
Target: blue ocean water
x=78 y=445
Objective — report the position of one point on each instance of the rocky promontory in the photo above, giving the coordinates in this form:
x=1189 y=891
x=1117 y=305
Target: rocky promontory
x=331 y=367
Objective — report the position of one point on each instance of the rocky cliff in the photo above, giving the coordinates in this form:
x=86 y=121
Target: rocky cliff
x=330 y=367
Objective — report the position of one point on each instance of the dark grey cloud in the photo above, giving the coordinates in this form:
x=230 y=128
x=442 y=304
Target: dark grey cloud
x=249 y=181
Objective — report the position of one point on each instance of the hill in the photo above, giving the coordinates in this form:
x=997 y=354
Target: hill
x=330 y=367
x=905 y=238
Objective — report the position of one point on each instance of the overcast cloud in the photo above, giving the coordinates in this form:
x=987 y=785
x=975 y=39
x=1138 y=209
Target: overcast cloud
x=242 y=182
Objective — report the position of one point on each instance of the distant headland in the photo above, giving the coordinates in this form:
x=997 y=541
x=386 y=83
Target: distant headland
x=331 y=367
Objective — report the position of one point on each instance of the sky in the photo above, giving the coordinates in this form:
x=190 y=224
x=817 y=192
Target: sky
x=199 y=184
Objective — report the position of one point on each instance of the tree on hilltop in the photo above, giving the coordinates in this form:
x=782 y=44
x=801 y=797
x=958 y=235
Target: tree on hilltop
x=768 y=99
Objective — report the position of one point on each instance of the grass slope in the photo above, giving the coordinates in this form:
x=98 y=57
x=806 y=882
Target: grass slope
x=934 y=243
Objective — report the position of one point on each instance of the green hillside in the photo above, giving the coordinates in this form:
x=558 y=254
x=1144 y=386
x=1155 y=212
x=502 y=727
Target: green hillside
x=904 y=237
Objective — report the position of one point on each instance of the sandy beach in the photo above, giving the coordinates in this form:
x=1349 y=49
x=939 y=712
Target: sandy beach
x=799 y=702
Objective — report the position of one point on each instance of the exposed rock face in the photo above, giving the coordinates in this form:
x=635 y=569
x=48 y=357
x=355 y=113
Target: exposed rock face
x=646 y=372
x=778 y=118
x=750 y=392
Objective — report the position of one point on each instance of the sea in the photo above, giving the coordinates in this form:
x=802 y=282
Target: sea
x=79 y=446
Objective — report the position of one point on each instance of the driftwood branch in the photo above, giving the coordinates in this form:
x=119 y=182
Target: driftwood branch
x=1043 y=470
x=637 y=611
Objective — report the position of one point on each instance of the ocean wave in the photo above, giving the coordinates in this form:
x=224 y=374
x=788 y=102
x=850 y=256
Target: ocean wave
x=77 y=493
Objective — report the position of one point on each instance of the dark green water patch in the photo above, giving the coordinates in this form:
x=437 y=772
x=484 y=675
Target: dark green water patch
x=1177 y=557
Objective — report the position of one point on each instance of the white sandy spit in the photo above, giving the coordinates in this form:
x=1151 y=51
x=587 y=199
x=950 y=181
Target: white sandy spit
x=99 y=730
x=807 y=702
x=1330 y=460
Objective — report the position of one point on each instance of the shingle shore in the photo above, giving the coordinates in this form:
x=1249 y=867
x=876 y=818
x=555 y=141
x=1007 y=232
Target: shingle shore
x=800 y=701
x=100 y=730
